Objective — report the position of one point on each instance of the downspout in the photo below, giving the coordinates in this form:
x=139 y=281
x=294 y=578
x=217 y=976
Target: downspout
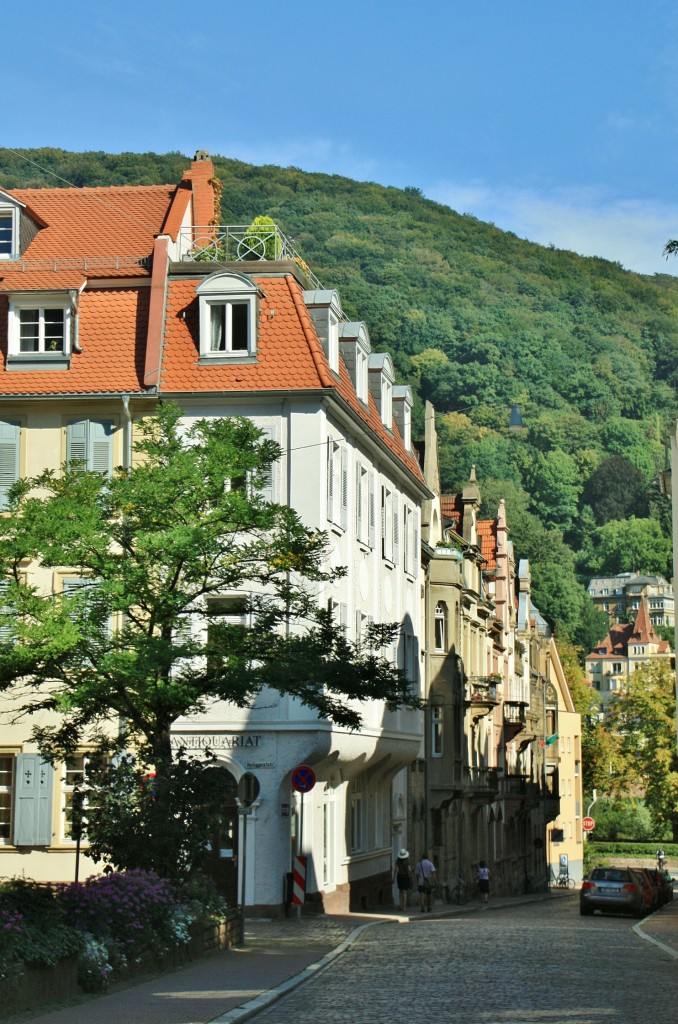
x=74 y=295
x=288 y=496
x=127 y=435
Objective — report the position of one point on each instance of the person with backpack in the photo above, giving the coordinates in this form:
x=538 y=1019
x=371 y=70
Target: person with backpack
x=426 y=877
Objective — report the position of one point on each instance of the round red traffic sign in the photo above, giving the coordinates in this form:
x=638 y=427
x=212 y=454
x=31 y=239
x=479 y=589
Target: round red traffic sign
x=303 y=779
x=588 y=824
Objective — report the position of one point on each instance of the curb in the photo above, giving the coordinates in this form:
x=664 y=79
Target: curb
x=265 y=999
x=638 y=929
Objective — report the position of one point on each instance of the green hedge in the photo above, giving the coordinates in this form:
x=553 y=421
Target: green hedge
x=624 y=849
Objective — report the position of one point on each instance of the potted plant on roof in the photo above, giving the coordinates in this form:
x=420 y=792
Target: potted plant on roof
x=261 y=241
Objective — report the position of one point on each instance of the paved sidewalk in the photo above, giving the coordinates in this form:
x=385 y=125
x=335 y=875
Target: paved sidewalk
x=231 y=986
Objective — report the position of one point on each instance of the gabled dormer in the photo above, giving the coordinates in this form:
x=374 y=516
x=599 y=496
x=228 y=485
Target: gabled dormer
x=10 y=215
x=355 y=347
x=326 y=314
x=403 y=404
x=380 y=380
x=42 y=329
x=228 y=317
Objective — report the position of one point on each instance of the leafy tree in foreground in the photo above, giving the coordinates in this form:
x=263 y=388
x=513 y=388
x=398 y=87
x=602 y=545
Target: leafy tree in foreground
x=644 y=718
x=185 y=524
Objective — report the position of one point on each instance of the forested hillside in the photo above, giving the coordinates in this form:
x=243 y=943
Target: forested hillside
x=478 y=319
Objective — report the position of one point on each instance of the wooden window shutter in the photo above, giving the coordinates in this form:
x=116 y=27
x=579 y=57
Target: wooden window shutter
x=10 y=433
x=330 y=480
x=33 y=806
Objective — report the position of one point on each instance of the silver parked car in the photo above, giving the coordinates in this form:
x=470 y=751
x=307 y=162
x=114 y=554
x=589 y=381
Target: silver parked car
x=612 y=890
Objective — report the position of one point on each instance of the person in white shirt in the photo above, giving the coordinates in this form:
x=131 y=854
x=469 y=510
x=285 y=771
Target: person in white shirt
x=426 y=877
x=484 y=881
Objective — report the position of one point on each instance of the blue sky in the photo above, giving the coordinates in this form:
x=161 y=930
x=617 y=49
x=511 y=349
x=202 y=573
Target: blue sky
x=556 y=121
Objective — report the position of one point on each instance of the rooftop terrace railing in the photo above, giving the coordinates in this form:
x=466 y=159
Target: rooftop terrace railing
x=236 y=243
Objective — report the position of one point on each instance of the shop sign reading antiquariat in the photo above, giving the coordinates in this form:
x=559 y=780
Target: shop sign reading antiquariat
x=242 y=743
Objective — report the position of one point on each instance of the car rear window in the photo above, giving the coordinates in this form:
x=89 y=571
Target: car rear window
x=610 y=875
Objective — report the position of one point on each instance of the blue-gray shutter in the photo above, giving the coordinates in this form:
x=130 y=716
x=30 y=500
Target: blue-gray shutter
x=6 y=629
x=33 y=801
x=76 y=444
x=100 y=454
x=90 y=443
x=10 y=433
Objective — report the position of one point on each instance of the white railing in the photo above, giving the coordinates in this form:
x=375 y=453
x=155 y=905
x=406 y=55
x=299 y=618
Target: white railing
x=238 y=243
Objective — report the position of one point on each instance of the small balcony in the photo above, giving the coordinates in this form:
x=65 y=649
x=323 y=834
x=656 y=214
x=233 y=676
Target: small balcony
x=481 y=695
x=515 y=717
x=481 y=783
x=238 y=243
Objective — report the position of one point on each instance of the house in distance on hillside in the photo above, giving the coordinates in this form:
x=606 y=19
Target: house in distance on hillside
x=620 y=597
x=626 y=646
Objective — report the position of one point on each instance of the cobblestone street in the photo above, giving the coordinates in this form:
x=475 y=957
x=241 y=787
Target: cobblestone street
x=535 y=964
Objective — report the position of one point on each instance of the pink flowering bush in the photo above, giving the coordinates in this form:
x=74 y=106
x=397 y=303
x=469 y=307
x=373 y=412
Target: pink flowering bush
x=132 y=911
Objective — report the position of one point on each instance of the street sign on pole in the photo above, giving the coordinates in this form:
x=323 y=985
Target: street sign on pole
x=303 y=779
x=588 y=824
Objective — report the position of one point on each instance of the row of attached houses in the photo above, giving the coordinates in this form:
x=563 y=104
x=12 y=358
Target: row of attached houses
x=499 y=776
x=112 y=299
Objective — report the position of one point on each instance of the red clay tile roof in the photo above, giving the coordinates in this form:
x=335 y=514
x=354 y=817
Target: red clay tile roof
x=95 y=222
x=487 y=537
x=112 y=331
x=451 y=510
x=289 y=355
x=622 y=634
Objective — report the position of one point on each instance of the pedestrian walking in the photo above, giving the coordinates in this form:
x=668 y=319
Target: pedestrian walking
x=484 y=881
x=426 y=877
x=661 y=859
x=402 y=876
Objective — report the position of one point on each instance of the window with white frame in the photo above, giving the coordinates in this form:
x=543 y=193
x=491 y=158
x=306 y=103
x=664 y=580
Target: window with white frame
x=365 y=505
x=7 y=763
x=328 y=841
x=339 y=612
x=616 y=667
x=337 y=483
x=89 y=445
x=333 y=343
x=228 y=305
x=440 y=626
x=387 y=524
x=410 y=539
x=362 y=620
x=9 y=231
x=356 y=816
x=73 y=796
x=436 y=730
x=39 y=327
x=361 y=362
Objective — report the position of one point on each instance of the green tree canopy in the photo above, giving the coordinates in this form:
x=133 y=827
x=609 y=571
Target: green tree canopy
x=644 y=720
x=616 y=490
x=630 y=545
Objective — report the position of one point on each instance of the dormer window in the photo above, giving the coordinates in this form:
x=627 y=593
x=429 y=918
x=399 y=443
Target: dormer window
x=228 y=307
x=326 y=313
x=9 y=227
x=6 y=234
x=355 y=347
x=39 y=329
x=381 y=385
x=402 y=413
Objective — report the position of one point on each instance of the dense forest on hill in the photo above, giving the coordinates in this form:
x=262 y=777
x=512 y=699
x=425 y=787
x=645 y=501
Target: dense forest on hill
x=478 y=319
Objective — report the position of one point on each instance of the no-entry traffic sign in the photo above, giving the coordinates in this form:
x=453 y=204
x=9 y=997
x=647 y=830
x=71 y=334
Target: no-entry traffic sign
x=303 y=779
x=588 y=824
